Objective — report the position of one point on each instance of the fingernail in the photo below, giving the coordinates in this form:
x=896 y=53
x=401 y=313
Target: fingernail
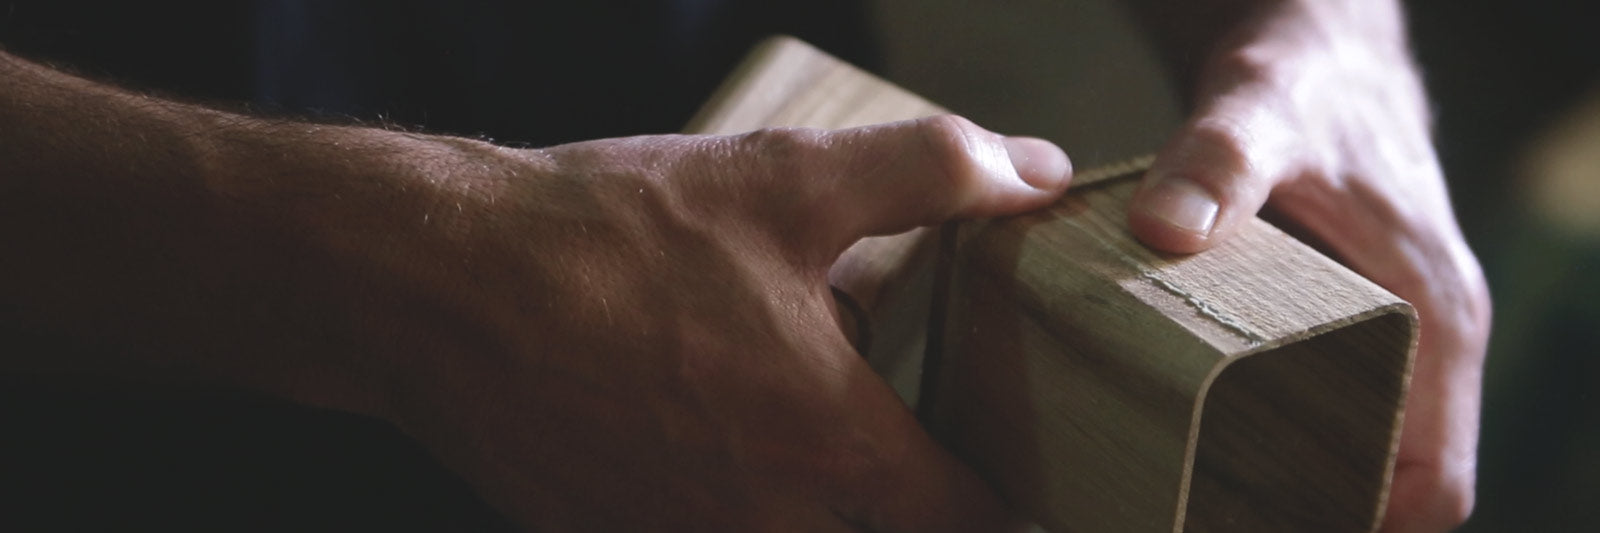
x=1039 y=162
x=1182 y=204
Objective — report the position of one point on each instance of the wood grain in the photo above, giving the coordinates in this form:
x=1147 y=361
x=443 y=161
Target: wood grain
x=1101 y=386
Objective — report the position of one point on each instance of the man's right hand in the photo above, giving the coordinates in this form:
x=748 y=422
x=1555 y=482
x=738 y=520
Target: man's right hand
x=638 y=333
x=616 y=335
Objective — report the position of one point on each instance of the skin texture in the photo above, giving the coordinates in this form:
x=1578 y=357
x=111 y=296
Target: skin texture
x=613 y=335
x=1314 y=109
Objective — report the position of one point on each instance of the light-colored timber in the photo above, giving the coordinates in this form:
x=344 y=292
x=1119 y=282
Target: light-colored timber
x=1100 y=386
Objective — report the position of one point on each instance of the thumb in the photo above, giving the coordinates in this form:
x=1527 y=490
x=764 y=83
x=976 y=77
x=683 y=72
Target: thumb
x=1215 y=173
x=888 y=178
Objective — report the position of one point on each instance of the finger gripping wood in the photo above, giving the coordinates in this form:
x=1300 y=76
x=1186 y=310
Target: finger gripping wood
x=1101 y=386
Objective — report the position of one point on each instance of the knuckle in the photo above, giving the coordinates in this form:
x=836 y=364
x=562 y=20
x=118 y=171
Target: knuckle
x=1453 y=497
x=1250 y=64
x=1222 y=144
x=1454 y=297
x=1480 y=304
x=782 y=161
x=1458 y=508
x=952 y=142
x=1433 y=499
x=1472 y=324
x=782 y=147
x=1237 y=155
x=1452 y=505
x=1218 y=157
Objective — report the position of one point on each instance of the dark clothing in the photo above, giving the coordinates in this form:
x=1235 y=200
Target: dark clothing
x=120 y=457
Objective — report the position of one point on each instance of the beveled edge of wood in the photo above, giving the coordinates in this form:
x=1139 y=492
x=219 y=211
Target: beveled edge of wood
x=1217 y=349
x=1399 y=307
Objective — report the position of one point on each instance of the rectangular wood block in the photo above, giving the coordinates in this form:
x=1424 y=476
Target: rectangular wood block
x=1100 y=386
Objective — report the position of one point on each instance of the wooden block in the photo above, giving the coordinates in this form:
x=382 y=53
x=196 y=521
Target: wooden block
x=1101 y=386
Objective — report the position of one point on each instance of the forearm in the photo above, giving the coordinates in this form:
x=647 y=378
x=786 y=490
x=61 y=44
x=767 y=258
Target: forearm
x=187 y=243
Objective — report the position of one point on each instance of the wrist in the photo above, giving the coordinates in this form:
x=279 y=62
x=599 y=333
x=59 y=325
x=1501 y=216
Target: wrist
x=369 y=226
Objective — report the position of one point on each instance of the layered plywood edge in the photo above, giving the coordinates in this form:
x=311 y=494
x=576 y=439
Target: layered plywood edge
x=1101 y=386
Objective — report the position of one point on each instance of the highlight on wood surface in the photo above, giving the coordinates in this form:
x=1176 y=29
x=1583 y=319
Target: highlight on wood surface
x=1101 y=386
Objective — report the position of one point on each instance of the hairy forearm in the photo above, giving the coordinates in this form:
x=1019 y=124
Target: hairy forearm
x=180 y=242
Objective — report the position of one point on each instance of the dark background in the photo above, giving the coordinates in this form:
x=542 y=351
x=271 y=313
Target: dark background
x=1503 y=75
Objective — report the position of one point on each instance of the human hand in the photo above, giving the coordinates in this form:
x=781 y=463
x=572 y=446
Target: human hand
x=638 y=333
x=1315 y=109
x=618 y=335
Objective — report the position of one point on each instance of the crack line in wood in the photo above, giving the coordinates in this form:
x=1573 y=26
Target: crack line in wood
x=1205 y=309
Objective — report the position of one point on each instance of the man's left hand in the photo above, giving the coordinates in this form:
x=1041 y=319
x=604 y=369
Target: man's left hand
x=1316 y=109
